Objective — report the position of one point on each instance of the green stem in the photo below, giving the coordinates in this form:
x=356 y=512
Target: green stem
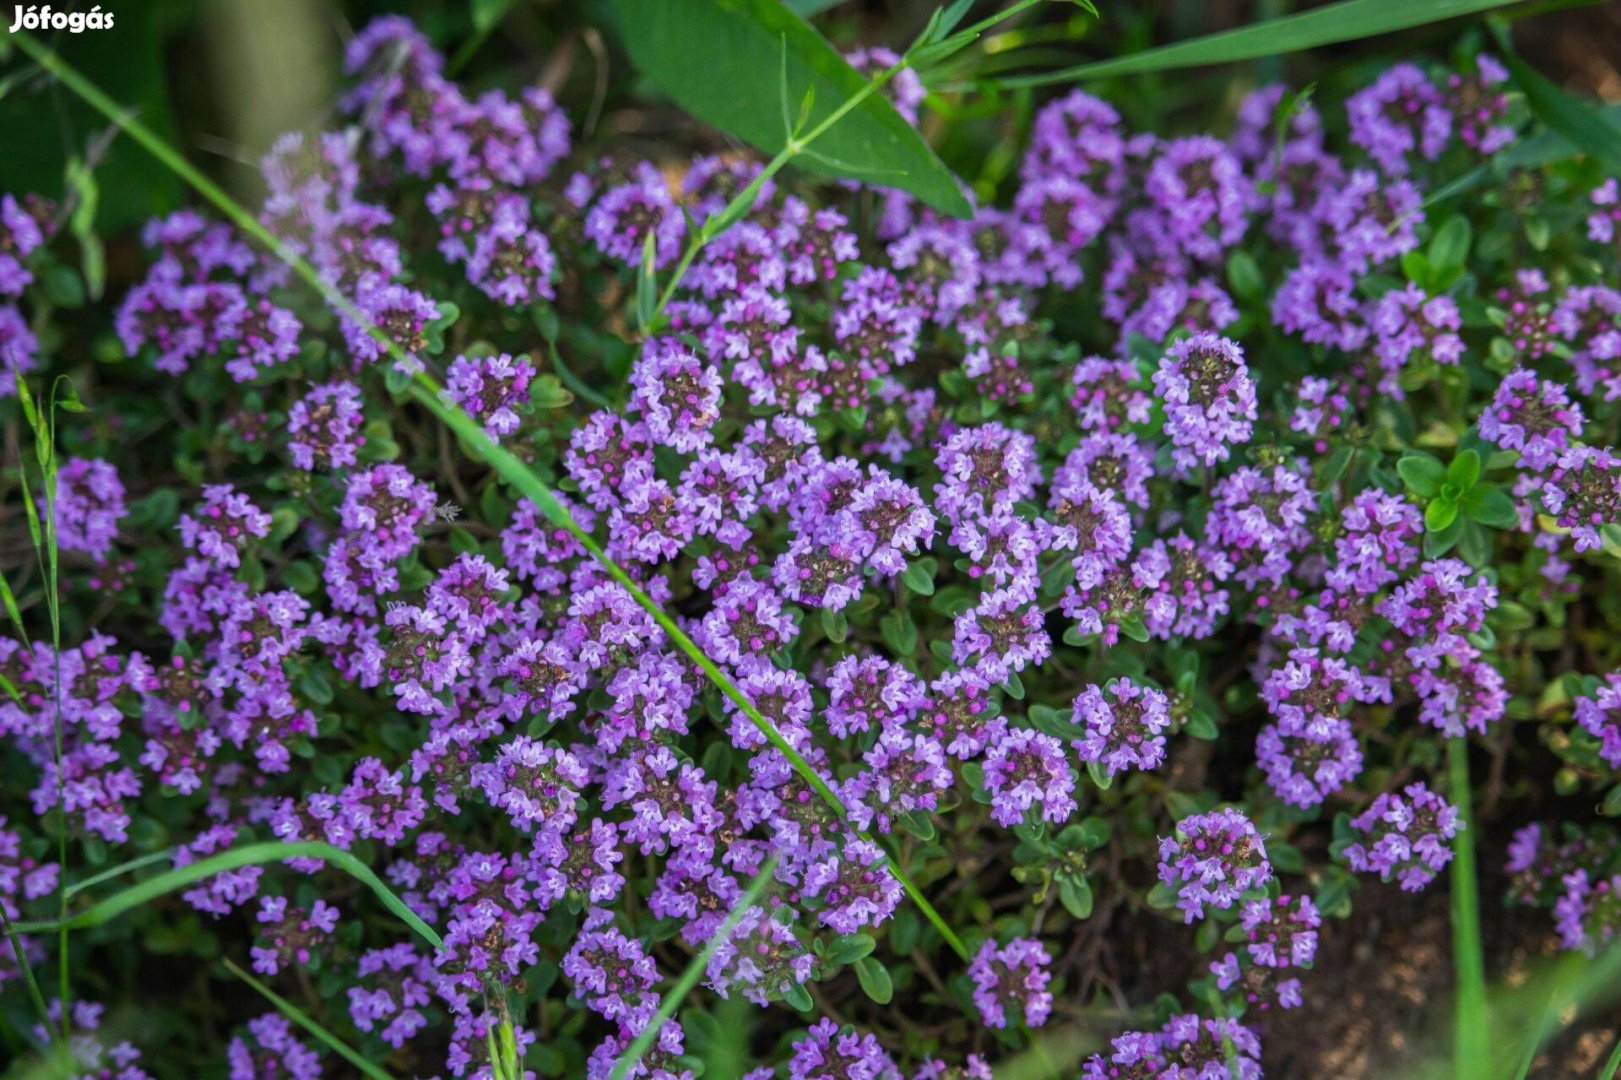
x=34 y=993
x=427 y=392
x=1472 y=1035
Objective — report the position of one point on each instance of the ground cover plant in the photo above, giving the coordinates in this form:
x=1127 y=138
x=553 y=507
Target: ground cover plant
x=512 y=604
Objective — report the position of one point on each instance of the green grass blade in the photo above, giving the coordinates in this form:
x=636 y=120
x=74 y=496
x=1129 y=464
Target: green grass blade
x=1543 y=148
x=1472 y=1030
x=1580 y=124
x=1347 y=20
x=689 y=978
x=1559 y=997
x=427 y=392
x=307 y=1022
x=35 y=996
x=247 y=855
x=1613 y=1063
x=118 y=871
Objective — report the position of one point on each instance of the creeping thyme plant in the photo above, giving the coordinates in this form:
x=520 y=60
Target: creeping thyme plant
x=890 y=609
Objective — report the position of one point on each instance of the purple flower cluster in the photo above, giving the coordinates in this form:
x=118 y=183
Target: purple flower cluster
x=1212 y=859
x=1012 y=977
x=1188 y=1047
x=1404 y=836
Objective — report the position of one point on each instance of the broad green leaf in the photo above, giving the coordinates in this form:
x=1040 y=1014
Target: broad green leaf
x=875 y=980
x=919 y=577
x=1075 y=893
x=1245 y=276
x=1100 y=775
x=1449 y=249
x=1464 y=470
x=1348 y=20
x=1422 y=474
x=1491 y=506
x=1439 y=514
x=728 y=62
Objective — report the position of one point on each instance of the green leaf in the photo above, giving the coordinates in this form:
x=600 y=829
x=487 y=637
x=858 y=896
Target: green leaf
x=918 y=823
x=1348 y=20
x=1244 y=276
x=1095 y=832
x=798 y=997
x=1439 y=514
x=1422 y=474
x=716 y=57
x=1437 y=544
x=647 y=285
x=1201 y=725
x=1099 y=774
x=1075 y=893
x=900 y=633
x=1449 y=248
x=1464 y=470
x=875 y=980
x=1491 y=506
x=848 y=948
x=1588 y=129
x=487 y=13
x=919 y=577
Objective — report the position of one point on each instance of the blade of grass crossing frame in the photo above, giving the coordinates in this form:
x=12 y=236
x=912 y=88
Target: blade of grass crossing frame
x=1583 y=126
x=118 y=871
x=689 y=978
x=1613 y=1064
x=1472 y=1030
x=305 y=1021
x=1347 y=20
x=247 y=855
x=427 y=392
x=1559 y=996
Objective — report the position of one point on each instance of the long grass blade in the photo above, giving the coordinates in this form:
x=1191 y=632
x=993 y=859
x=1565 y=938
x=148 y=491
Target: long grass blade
x=118 y=871
x=307 y=1022
x=689 y=978
x=35 y=996
x=425 y=390
x=247 y=855
x=1583 y=126
x=1613 y=1063
x=1347 y=20
x=1472 y=1024
x=1559 y=996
